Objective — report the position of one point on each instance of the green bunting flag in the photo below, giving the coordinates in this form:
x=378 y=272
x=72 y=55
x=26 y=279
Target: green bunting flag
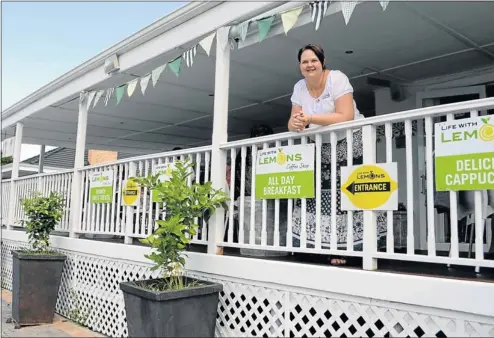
x=119 y=92
x=264 y=27
x=175 y=65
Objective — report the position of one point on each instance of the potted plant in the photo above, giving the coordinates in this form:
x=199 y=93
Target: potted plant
x=37 y=271
x=174 y=305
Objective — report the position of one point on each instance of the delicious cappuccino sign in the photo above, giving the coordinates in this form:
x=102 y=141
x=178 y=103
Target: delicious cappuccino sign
x=464 y=154
x=285 y=172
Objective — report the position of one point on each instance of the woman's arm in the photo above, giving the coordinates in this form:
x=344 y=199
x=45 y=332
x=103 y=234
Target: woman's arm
x=344 y=111
x=295 y=123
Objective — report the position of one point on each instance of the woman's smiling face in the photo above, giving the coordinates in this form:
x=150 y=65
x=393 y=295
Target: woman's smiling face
x=310 y=66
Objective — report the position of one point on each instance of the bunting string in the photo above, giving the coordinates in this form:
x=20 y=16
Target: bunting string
x=289 y=18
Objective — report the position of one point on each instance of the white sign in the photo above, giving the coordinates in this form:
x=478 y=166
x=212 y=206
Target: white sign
x=101 y=187
x=285 y=172
x=464 y=154
x=8 y=147
x=165 y=172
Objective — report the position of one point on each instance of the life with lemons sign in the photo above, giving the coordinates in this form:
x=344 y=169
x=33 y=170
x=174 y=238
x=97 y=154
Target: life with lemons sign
x=464 y=154
x=165 y=172
x=285 y=172
x=101 y=187
x=369 y=187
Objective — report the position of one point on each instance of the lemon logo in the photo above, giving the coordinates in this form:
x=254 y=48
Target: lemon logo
x=281 y=157
x=486 y=132
x=130 y=192
x=168 y=171
x=369 y=187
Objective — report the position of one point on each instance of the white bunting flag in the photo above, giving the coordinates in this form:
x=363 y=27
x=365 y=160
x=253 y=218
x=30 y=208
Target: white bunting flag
x=90 y=98
x=207 y=42
x=347 y=8
x=318 y=11
x=222 y=37
x=131 y=86
x=189 y=56
x=242 y=29
x=155 y=74
x=98 y=96
x=109 y=93
x=290 y=18
x=144 y=83
x=384 y=4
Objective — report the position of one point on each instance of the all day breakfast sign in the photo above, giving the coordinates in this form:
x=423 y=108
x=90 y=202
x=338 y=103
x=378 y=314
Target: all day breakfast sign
x=464 y=154
x=101 y=187
x=285 y=172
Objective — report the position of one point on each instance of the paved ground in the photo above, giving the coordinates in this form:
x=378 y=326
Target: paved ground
x=60 y=327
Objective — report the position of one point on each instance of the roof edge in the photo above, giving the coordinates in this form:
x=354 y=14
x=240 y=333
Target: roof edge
x=139 y=37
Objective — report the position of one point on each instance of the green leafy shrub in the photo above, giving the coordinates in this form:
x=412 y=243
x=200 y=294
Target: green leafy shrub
x=43 y=214
x=7 y=160
x=184 y=204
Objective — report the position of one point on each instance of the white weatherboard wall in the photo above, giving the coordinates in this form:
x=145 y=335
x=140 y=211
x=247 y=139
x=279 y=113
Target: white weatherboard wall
x=273 y=298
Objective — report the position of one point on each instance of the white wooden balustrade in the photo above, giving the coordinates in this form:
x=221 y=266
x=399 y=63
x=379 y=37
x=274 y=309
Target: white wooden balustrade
x=285 y=226
x=136 y=221
x=59 y=182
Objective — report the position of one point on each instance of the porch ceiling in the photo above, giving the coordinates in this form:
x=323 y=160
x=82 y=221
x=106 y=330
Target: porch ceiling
x=407 y=42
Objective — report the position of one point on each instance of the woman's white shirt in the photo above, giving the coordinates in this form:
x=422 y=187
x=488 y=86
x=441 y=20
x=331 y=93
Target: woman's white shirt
x=337 y=85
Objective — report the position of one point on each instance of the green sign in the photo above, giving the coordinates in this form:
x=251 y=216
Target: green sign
x=165 y=171
x=464 y=154
x=101 y=187
x=285 y=172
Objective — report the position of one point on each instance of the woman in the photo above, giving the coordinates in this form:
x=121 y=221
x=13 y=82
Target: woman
x=325 y=97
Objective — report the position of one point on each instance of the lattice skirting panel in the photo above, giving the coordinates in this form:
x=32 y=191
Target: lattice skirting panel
x=90 y=295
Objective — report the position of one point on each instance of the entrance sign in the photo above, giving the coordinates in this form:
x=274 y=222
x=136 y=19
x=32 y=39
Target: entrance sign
x=285 y=172
x=130 y=193
x=101 y=187
x=369 y=187
x=464 y=154
x=165 y=171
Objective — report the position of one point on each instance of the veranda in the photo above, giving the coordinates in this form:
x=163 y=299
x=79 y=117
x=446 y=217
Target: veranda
x=272 y=288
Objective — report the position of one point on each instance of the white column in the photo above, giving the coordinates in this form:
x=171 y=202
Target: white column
x=220 y=133
x=16 y=158
x=370 y=220
x=75 y=203
x=41 y=163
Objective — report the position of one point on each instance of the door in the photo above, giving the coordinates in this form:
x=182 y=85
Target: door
x=441 y=199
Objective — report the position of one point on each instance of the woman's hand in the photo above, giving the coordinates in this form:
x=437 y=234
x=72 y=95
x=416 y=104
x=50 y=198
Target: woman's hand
x=298 y=120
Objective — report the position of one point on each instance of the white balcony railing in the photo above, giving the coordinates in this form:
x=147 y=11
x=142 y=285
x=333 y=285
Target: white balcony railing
x=308 y=225
x=135 y=221
x=60 y=182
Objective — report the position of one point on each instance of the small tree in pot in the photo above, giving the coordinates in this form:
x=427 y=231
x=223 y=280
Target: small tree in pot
x=37 y=271
x=174 y=305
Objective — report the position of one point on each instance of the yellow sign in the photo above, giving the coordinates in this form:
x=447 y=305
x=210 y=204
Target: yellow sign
x=369 y=187
x=130 y=193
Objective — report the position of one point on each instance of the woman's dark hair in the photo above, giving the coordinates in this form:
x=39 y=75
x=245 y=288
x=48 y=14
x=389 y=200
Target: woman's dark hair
x=317 y=50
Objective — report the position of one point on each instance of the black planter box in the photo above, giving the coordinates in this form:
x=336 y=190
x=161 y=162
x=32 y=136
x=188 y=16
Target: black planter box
x=36 y=280
x=189 y=312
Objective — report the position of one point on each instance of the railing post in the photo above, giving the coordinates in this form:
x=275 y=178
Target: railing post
x=220 y=133
x=16 y=158
x=75 y=195
x=370 y=223
x=129 y=219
